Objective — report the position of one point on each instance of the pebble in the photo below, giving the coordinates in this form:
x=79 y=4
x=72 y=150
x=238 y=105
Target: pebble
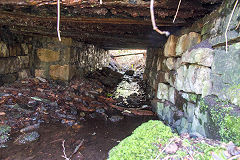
x=100 y=110
x=116 y=118
x=171 y=148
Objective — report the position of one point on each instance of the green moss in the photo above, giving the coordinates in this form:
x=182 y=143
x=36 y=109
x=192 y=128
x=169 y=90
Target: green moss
x=229 y=128
x=151 y=137
x=203 y=106
x=234 y=94
x=207 y=151
x=193 y=97
x=109 y=95
x=140 y=145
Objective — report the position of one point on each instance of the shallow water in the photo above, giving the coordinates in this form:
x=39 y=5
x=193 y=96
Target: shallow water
x=99 y=137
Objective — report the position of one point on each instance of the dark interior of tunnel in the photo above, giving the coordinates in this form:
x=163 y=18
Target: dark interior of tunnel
x=77 y=92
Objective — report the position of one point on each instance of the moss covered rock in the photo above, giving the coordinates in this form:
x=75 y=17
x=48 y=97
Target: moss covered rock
x=142 y=143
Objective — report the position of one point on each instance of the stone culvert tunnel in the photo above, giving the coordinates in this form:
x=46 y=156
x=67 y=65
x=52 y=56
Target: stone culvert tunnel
x=186 y=72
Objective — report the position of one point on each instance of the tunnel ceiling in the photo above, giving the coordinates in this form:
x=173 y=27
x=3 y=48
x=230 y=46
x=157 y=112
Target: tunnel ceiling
x=111 y=25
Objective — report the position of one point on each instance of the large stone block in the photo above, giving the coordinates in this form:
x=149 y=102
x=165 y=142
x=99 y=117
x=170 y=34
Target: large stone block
x=170 y=63
x=170 y=46
x=178 y=63
x=226 y=73
x=194 y=79
x=162 y=77
x=47 y=55
x=180 y=77
x=162 y=92
x=40 y=73
x=201 y=56
x=58 y=72
x=186 y=41
x=25 y=73
x=159 y=109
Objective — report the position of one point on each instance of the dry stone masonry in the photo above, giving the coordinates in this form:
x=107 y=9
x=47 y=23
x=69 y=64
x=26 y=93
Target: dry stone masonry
x=46 y=57
x=63 y=60
x=14 y=62
x=194 y=83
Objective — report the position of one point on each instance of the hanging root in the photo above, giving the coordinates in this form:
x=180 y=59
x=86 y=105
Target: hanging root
x=100 y=1
x=177 y=10
x=226 y=38
x=153 y=21
x=58 y=20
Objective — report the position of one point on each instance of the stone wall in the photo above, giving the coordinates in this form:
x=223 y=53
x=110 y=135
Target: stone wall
x=194 y=83
x=46 y=57
x=63 y=60
x=14 y=61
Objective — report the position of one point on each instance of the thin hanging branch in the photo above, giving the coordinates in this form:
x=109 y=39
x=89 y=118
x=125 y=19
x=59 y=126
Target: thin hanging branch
x=226 y=38
x=100 y=1
x=177 y=10
x=58 y=20
x=153 y=20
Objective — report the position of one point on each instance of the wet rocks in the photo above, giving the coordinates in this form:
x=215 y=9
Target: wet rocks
x=27 y=138
x=116 y=118
x=107 y=77
x=30 y=128
x=4 y=135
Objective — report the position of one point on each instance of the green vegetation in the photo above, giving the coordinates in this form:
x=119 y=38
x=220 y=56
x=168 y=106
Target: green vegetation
x=193 y=97
x=234 y=94
x=203 y=106
x=109 y=95
x=149 y=139
x=141 y=145
x=206 y=151
x=229 y=128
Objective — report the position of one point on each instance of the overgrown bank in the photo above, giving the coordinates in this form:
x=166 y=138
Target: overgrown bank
x=154 y=140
